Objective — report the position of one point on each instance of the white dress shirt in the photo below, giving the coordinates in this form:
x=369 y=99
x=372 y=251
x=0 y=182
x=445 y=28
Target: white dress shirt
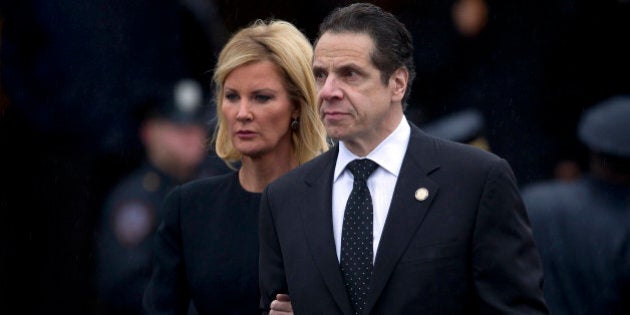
x=389 y=156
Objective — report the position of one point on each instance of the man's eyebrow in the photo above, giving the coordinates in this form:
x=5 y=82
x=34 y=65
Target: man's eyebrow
x=348 y=66
x=319 y=69
x=339 y=66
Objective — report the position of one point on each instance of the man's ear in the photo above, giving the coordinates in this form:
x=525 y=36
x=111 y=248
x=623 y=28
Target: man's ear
x=399 y=80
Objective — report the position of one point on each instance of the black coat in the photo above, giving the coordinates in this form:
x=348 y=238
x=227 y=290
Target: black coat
x=466 y=249
x=206 y=250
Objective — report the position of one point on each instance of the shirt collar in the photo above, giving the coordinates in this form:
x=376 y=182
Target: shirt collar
x=388 y=154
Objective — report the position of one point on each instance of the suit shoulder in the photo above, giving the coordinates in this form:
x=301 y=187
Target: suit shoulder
x=461 y=155
x=469 y=151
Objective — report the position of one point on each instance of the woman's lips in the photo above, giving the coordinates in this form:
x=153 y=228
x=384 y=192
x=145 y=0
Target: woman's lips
x=245 y=134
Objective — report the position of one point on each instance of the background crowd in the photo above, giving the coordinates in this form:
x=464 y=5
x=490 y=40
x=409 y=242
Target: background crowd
x=77 y=77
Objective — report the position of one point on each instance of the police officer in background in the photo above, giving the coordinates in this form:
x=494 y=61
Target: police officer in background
x=174 y=130
x=582 y=227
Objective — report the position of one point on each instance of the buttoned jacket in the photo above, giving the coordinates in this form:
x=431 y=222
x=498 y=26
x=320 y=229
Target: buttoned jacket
x=464 y=248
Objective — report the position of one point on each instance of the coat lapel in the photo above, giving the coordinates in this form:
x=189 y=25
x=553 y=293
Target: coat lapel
x=406 y=212
x=318 y=230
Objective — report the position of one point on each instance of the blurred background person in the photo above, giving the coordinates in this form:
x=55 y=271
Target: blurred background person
x=73 y=74
x=206 y=248
x=582 y=227
x=173 y=131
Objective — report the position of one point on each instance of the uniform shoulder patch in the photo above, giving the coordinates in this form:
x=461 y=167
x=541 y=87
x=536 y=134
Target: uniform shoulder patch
x=133 y=221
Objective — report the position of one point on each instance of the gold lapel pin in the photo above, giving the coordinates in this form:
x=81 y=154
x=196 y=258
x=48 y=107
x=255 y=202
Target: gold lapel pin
x=422 y=194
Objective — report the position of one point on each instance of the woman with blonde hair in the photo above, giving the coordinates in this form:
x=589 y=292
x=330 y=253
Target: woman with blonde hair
x=206 y=249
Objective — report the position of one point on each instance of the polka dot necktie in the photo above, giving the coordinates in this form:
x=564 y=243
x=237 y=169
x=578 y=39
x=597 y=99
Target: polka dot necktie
x=356 y=235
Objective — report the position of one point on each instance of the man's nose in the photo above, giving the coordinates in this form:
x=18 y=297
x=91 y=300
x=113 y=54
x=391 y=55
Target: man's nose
x=330 y=89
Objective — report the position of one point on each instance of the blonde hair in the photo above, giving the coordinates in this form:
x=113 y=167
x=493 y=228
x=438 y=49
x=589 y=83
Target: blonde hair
x=283 y=44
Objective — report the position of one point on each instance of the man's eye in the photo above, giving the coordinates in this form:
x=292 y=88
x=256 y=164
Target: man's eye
x=319 y=75
x=350 y=73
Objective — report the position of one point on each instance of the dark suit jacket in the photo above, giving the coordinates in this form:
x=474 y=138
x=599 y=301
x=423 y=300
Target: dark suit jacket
x=466 y=249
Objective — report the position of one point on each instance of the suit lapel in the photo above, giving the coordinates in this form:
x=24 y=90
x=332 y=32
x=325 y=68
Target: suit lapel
x=318 y=230
x=406 y=212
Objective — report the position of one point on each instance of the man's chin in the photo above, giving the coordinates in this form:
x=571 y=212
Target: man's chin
x=335 y=134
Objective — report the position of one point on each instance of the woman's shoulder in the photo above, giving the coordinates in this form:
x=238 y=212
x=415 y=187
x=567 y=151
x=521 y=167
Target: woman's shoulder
x=212 y=183
x=203 y=197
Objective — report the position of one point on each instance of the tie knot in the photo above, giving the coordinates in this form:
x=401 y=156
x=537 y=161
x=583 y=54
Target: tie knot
x=362 y=168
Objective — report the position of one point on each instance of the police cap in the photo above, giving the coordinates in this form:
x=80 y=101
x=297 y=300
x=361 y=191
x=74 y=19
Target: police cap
x=463 y=126
x=605 y=127
x=182 y=103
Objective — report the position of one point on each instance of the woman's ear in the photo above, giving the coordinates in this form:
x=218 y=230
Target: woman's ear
x=295 y=114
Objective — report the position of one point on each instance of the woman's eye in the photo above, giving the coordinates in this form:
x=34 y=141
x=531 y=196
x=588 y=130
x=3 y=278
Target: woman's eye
x=231 y=97
x=261 y=98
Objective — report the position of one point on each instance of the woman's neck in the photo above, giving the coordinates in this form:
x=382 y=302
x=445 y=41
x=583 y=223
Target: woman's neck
x=256 y=173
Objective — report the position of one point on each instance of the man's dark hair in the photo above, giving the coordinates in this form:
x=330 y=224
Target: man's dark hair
x=393 y=46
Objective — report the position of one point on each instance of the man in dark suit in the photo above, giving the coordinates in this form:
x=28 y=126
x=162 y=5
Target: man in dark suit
x=441 y=226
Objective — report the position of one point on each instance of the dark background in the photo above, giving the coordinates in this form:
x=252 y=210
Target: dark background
x=72 y=72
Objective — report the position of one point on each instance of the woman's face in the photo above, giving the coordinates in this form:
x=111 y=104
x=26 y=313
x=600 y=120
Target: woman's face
x=257 y=109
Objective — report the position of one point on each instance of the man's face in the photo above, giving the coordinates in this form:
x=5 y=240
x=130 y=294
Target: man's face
x=174 y=148
x=354 y=104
